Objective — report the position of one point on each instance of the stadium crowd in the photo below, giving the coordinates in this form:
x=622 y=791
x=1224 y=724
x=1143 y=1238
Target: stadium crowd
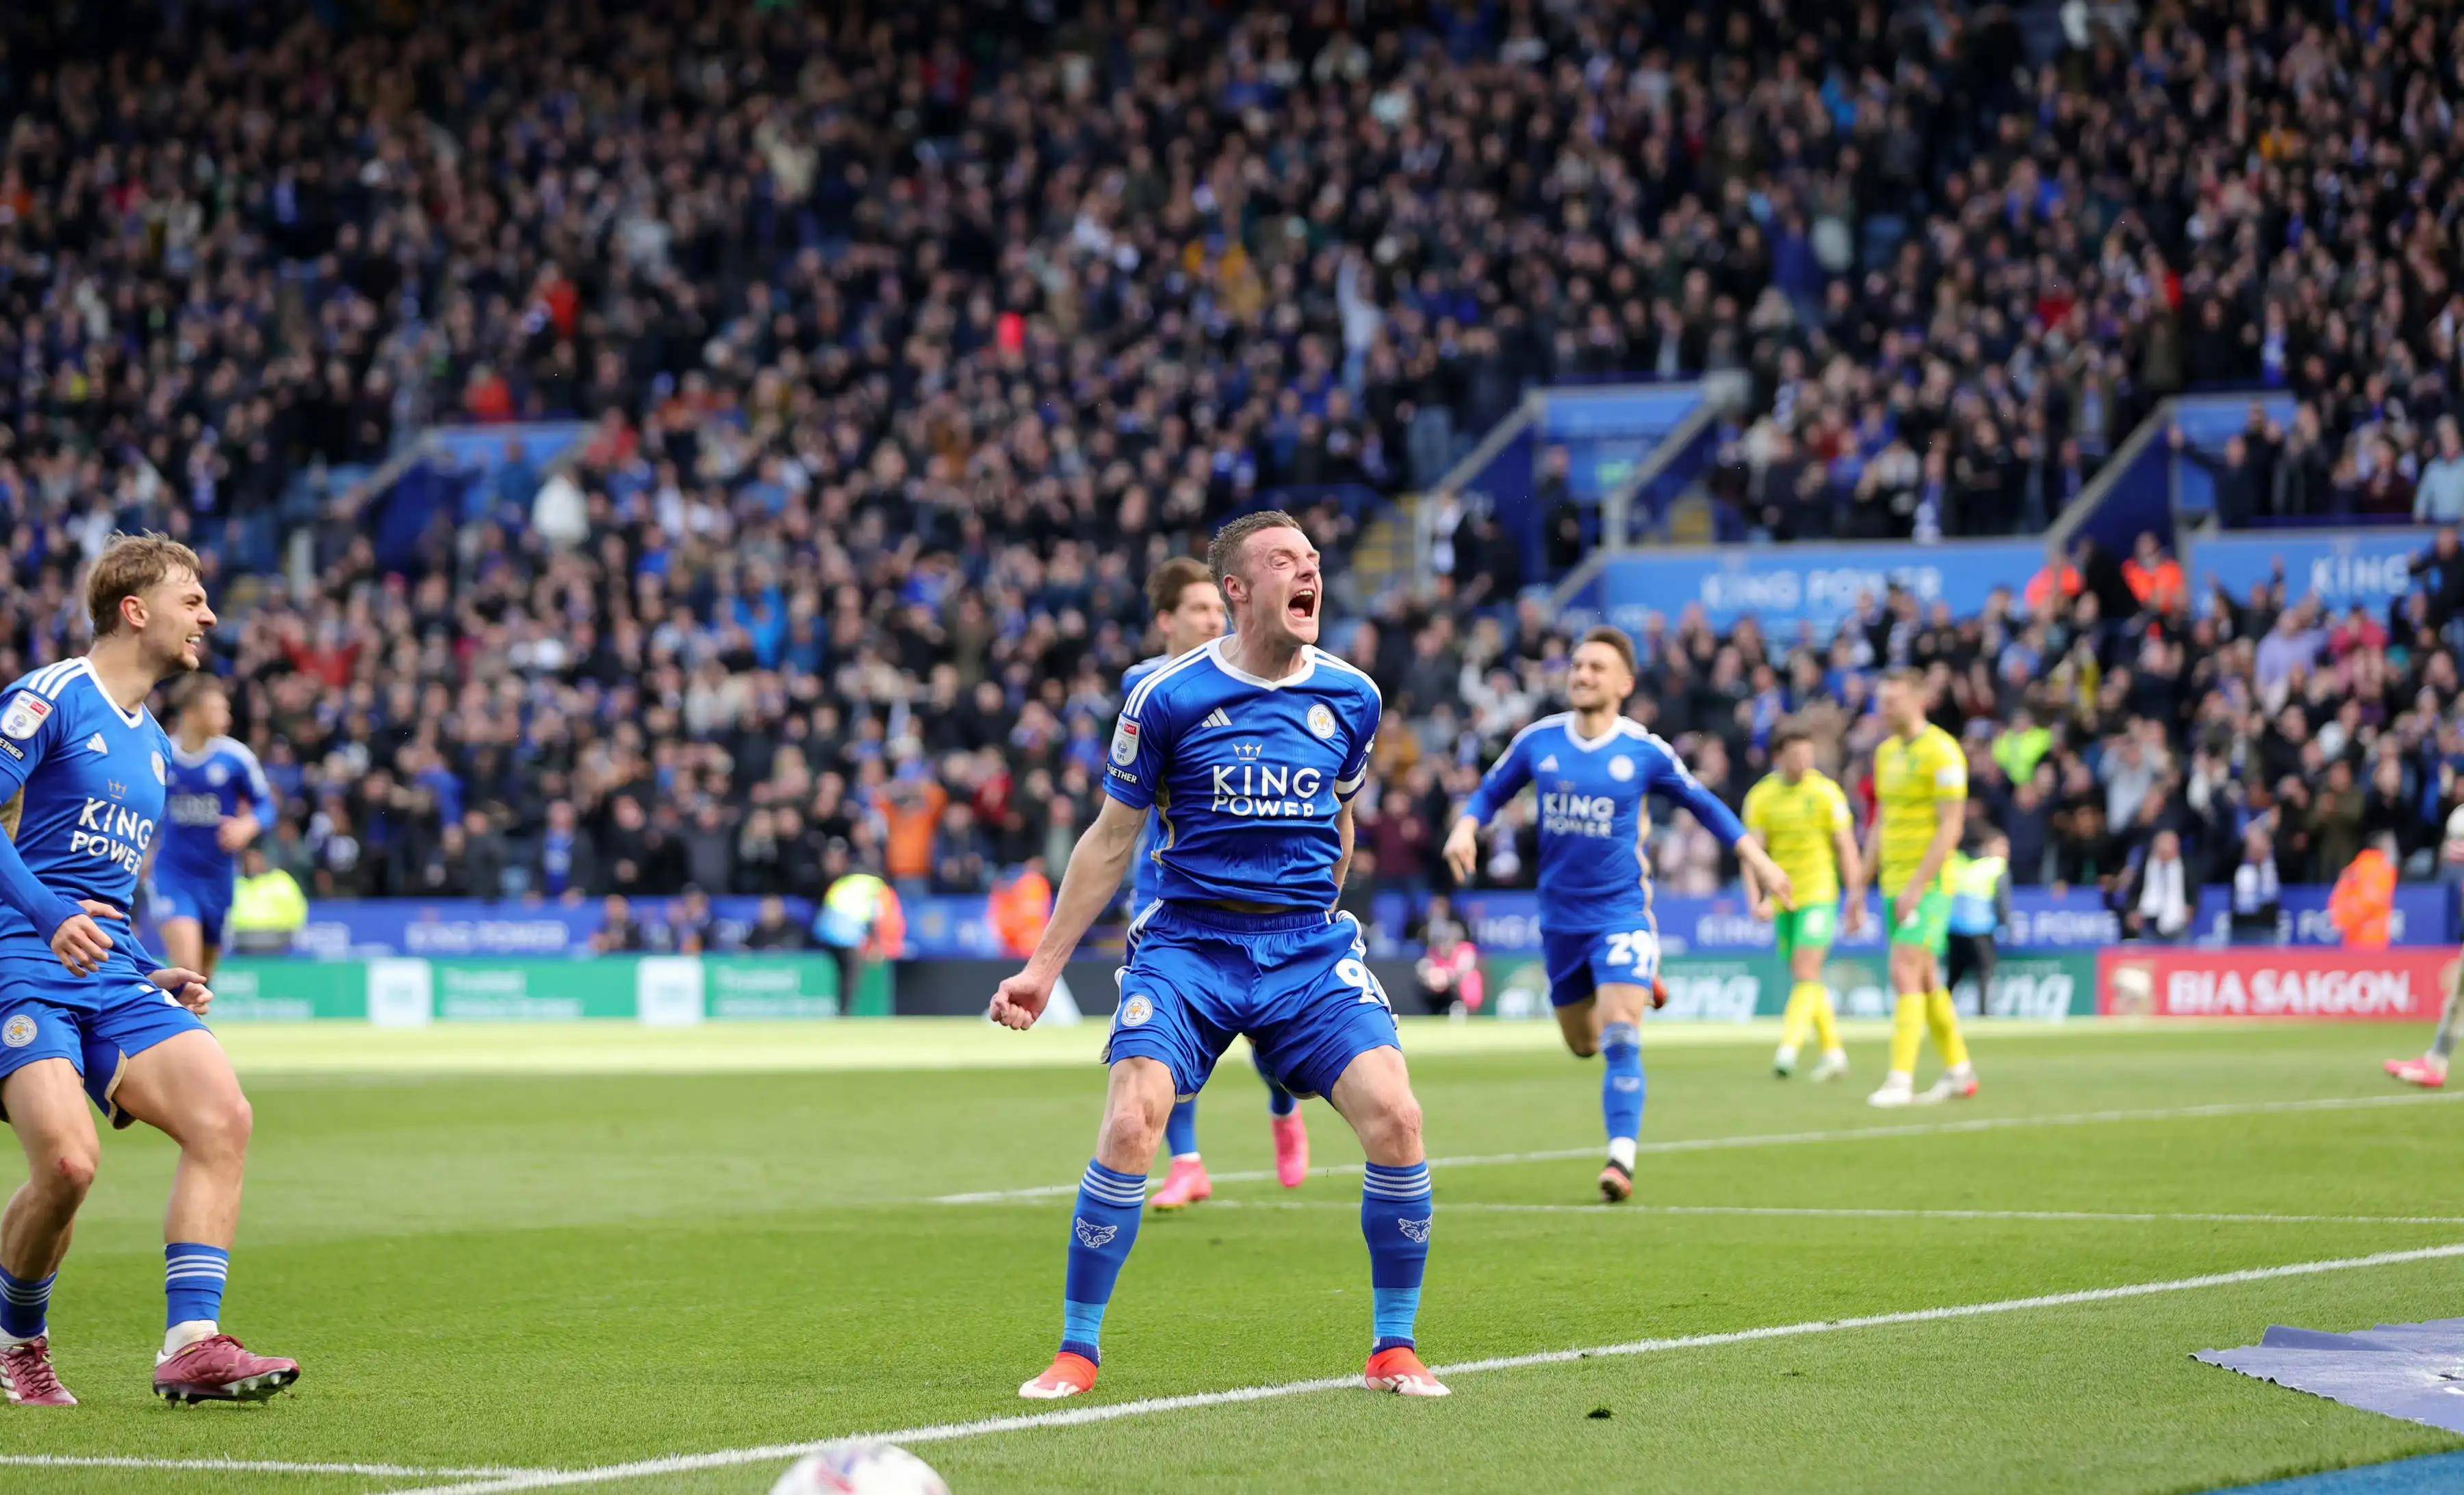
x=912 y=337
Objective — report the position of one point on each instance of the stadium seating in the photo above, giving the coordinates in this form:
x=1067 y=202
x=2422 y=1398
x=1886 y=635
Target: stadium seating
x=904 y=356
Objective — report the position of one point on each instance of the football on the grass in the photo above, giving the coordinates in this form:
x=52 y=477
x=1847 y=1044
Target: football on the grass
x=860 y=1470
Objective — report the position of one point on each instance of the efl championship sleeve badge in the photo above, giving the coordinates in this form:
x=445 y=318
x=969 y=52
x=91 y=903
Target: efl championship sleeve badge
x=1124 y=744
x=24 y=716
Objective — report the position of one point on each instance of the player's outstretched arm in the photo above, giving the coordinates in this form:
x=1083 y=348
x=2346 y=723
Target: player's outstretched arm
x=1093 y=877
x=1462 y=849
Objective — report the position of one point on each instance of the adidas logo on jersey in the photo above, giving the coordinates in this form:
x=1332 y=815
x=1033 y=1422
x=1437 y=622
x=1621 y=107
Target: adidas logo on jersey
x=1549 y=764
x=95 y=744
x=1216 y=718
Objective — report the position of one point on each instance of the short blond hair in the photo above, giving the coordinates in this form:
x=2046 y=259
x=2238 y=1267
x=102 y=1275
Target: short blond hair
x=132 y=565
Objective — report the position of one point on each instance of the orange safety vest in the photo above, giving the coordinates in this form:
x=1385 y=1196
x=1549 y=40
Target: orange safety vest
x=1020 y=911
x=2363 y=904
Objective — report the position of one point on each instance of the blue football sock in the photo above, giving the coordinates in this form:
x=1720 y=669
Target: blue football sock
x=192 y=1282
x=1622 y=1087
x=24 y=1302
x=1279 y=1101
x=1395 y=1213
x=1101 y=1233
x=1180 y=1128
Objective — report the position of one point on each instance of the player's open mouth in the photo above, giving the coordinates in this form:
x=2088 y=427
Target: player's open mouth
x=1304 y=605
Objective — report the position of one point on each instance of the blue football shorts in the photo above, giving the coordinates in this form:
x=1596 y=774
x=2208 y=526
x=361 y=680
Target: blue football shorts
x=1297 y=985
x=206 y=900
x=1581 y=963
x=96 y=1023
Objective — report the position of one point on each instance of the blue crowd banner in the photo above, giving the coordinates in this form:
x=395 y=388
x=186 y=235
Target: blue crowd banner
x=1786 y=585
x=956 y=927
x=2041 y=920
x=2340 y=568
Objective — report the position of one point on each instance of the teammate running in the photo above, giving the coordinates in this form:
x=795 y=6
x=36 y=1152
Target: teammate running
x=1251 y=750
x=1189 y=612
x=1593 y=768
x=218 y=802
x=1921 y=808
x=83 y=1006
x=1803 y=817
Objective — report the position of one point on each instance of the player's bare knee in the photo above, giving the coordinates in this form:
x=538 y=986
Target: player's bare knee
x=1582 y=1048
x=219 y=1131
x=67 y=1176
x=1390 y=1133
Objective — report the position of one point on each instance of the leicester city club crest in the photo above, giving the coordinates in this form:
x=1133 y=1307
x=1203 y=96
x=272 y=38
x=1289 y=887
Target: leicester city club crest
x=19 y=1031
x=1321 y=720
x=161 y=773
x=1136 y=1011
x=1620 y=769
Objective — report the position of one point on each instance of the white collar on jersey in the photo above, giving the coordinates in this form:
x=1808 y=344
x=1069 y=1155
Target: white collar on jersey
x=135 y=719
x=1309 y=666
x=1617 y=728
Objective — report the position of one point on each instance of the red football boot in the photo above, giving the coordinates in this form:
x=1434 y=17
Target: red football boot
x=1068 y=1375
x=1291 y=1151
x=1399 y=1370
x=26 y=1375
x=219 y=1367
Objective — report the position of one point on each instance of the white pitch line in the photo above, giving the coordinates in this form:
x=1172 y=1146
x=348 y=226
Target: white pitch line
x=1079 y=1416
x=262 y=1466
x=1917 y=1129
x=1858 y=1212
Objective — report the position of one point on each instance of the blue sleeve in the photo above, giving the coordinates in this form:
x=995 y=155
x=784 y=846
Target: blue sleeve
x=1135 y=767
x=1504 y=781
x=19 y=756
x=1370 y=710
x=260 y=793
x=1679 y=784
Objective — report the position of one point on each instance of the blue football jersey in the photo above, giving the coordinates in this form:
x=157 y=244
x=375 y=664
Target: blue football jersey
x=1591 y=814
x=1144 y=873
x=81 y=789
x=1246 y=778
x=218 y=781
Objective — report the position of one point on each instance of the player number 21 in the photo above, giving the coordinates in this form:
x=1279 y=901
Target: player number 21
x=1625 y=949
x=1353 y=974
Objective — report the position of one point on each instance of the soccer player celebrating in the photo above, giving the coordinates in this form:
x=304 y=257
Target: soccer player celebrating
x=1921 y=808
x=1250 y=749
x=1189 y=613
x=1803 y=817
x=83 y=1005
x=1593 y=768
x=217 y=803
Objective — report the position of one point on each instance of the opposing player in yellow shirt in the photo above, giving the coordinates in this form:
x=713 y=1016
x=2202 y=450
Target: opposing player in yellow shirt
x=1921 y=808
x=1804 y=822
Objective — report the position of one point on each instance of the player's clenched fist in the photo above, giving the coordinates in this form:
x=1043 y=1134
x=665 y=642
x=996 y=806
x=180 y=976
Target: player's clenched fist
x=186 y=988
x=1021 y=1001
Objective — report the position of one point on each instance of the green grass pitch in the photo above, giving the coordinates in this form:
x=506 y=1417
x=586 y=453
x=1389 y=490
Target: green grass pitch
x=574 y=1247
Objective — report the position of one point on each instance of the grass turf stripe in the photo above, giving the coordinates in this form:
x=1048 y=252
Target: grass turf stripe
x=1080 y=1417
x=1915 y=1128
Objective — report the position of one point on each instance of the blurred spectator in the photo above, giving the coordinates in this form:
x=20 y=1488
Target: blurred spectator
x=2158 y=896
x=2363 y=904
x=773 y=929
x=2257 y=894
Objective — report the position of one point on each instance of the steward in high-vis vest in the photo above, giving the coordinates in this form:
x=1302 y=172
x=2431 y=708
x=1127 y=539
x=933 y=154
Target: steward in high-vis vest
x=1980 y=904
